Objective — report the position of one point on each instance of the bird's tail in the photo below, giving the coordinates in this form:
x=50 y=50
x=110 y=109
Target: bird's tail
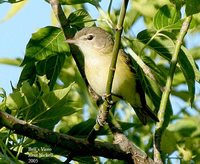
x=145 y=113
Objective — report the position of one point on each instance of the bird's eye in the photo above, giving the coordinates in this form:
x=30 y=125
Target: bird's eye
x=90 y=37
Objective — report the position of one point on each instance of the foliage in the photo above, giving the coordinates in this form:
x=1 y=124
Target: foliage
x=52 y=94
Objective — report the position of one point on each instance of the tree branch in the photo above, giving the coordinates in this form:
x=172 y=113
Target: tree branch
x=76 y=146
x=160 y=126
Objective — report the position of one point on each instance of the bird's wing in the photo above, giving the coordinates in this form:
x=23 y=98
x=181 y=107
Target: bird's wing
x=143 y=112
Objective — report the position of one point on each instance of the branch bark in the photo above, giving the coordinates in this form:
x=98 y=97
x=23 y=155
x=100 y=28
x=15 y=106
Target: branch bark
x=76 y=146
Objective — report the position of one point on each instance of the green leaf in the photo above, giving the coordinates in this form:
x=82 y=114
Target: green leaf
x=46 y=42
x=167 y=17
x=126 y=125
x=188 y=68
x=195 y=52
x=158 y=42
x=153 y=96
x=15 y=8
x=14 y=101
x=181 y=94
x=85 y=160
x=25 y=97
x=80 y=18
x=30 y=93
x=185 y=153
x=178 y=3
x=9 y=61
x=3 y=99
x=190 y=59
x=178 y=78
x=28 y=74
x=168 y=142
x=15 y=1
x=2 y=1
x=192 y=7
x=57 y=105
x=82 y=129
x=184 y=127
x=51 y=67
x=44 y=83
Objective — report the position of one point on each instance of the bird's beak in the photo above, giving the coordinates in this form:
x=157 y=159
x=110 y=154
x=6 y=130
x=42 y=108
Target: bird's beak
x=71 y=41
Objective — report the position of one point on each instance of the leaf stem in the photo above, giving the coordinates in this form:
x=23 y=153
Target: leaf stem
x=161 y=126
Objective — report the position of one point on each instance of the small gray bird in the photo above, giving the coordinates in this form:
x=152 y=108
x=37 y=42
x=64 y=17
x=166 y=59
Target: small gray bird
x=97 y=45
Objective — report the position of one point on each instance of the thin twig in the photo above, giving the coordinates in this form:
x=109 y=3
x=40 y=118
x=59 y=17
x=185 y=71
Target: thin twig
x=160 y=126
x=104 y=111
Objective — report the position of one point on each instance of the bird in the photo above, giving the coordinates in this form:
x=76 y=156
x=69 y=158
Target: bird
x=96 y=45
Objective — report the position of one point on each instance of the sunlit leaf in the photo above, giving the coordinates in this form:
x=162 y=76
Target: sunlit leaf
x=178 y=78
x=22 y=98
x=44 y=83
x=160 y=43
x=181 y=94
x=9 y=61
x=167 y=17
x=15 y=101
x=15 y=8
x=80 y=18
x=46 y=42
x=185 y=126
x=2 y=99
x=57 y=105
x=195 y=52
x=30 y=93
x=186 y=153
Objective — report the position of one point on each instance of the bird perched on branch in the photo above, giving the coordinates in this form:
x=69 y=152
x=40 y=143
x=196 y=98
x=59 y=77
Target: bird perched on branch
x=97 y=46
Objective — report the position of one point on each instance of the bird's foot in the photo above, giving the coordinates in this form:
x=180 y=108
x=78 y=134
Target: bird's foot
x=108 y=98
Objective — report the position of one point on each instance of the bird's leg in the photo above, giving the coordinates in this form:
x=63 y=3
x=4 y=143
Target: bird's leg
x=103 y=114
x=108 y=98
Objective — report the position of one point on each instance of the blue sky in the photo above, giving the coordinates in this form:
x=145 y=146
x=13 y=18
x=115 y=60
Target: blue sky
x=15 y=34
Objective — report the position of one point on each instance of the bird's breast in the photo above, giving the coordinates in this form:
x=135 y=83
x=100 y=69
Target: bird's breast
x=96 y=69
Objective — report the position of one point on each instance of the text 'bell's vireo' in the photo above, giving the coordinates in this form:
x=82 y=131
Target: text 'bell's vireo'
x=97 y=45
